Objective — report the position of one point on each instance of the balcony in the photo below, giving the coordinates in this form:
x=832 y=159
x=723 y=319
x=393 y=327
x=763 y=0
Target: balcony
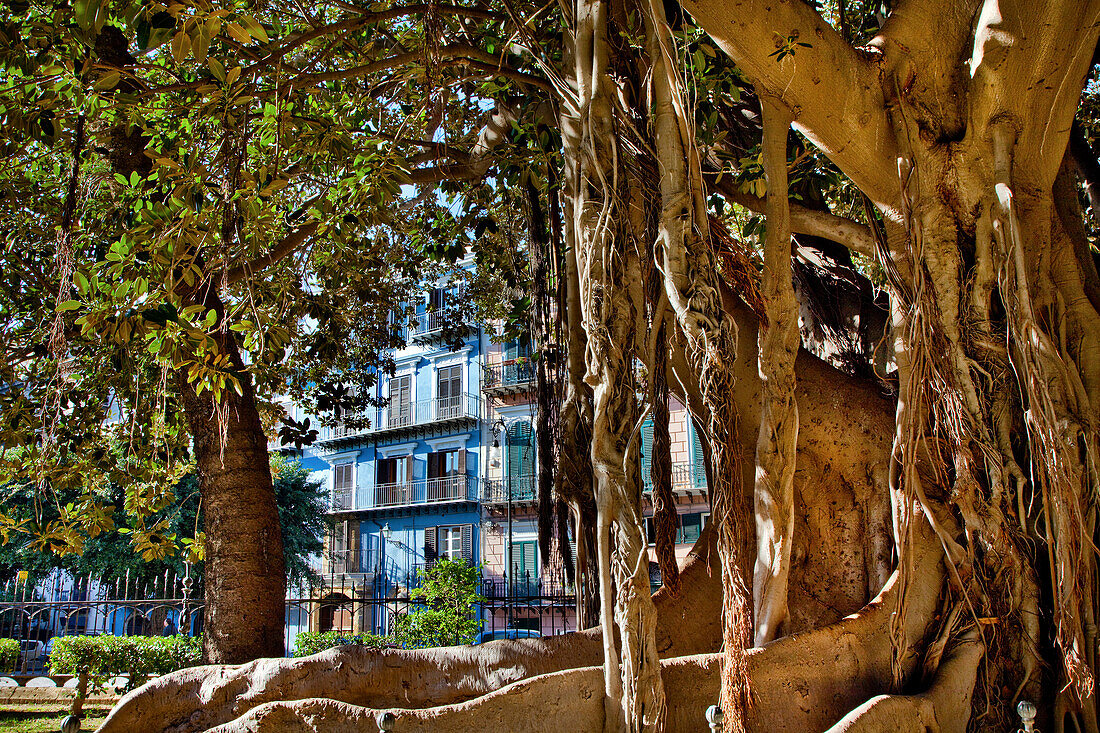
x=439 y=411
x=427 y=323
x=363 y=563
x=509 y=377
x=421 y=492
x=683 y=479
x=497 y=491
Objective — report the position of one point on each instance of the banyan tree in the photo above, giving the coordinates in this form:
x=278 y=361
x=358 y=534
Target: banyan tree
x=904 y=488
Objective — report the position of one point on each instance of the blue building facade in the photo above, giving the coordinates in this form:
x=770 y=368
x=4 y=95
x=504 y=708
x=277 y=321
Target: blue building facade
x=404 y=490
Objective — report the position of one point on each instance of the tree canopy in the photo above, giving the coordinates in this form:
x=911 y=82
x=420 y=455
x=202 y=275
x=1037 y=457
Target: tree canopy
x=233 y=215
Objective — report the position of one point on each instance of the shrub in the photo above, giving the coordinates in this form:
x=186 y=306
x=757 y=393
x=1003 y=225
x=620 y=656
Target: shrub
x=311 y=642
x=447 y=596
x=139 y=657
x=9 y=653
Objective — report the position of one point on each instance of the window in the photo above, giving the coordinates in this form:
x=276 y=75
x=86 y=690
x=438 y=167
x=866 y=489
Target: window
x=691 y=525
x=698 y=461
x=343 y=485
x=393 y=479
x=449 y=383
x=454 y=542
x=400 y=412
x=525 y=572
x=446 y=475
x=450 y=542
x=446 y=463
x=520 y=472
x=437 y=304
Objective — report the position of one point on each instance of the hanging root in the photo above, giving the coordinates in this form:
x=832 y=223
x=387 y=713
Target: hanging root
x=778 y=435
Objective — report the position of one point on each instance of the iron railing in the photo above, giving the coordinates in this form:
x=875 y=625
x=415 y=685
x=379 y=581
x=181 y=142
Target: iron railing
x=511 y=373
x=407 y=493
x=407 y=415
x=431 y=321
x=34 y=614
x=497 y=490
x=683 y=479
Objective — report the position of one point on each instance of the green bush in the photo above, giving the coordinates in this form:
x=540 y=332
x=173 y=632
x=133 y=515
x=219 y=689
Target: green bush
x=447 y=597
x=9 y=653
x=139 y=657
x=311 y=642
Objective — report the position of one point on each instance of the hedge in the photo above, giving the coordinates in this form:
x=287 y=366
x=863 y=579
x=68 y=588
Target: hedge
x=311 y=642
x=9 y=653
x=138 y=657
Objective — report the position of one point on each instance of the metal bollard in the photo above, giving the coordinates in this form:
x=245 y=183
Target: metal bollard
x=1027 y=712
x=71 y=724
x=386 y=720
x=714 y=718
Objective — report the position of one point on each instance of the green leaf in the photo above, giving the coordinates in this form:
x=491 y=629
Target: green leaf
x=68 y=305
x=108 y=82
x=216 y=68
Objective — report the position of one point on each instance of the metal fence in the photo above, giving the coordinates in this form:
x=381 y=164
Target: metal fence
x=64 y=605
x=35 y=615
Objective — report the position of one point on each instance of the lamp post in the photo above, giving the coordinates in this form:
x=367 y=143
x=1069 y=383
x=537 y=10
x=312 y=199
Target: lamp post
x=506 y=482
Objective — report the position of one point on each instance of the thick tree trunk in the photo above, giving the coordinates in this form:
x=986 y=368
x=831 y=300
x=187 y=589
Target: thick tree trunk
x=245 y=576
x=802 y=684
x=202 y=697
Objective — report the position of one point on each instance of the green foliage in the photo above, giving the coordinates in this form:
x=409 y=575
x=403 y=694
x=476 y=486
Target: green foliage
x=139 y=657
x=177 y=535
x=302 y=506
x=9 y=653
x=311 y=642
x=449 y=593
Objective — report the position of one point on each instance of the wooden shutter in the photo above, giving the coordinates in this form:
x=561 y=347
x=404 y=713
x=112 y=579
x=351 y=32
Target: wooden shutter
x=410 y=464
x=431 y=552
x=354 y=546
x=691 y=525
x=468 y=543
x=462 y=461
x=698 y=461
x=521 y=451
x=647 y=453
x=344 y=475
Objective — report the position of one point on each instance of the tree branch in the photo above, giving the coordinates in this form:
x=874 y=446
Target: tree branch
x=452 y=55
x=288 y=245
x=853 y=235
x=833 y=91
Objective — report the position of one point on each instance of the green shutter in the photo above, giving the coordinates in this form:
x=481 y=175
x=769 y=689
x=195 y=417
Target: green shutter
x=525 y=572
x=698 y=461
x=521 y=454
x=690 y=528
x=647 y=453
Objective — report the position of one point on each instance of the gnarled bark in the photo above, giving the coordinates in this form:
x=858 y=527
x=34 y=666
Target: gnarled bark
x=802 y=683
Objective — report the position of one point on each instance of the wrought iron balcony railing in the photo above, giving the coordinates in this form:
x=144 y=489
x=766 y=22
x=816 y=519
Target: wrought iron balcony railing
x=429 y=322
x=408 y=415
x=683 y=479
x=497 y=490
x=439 y=490
x=511 y=374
